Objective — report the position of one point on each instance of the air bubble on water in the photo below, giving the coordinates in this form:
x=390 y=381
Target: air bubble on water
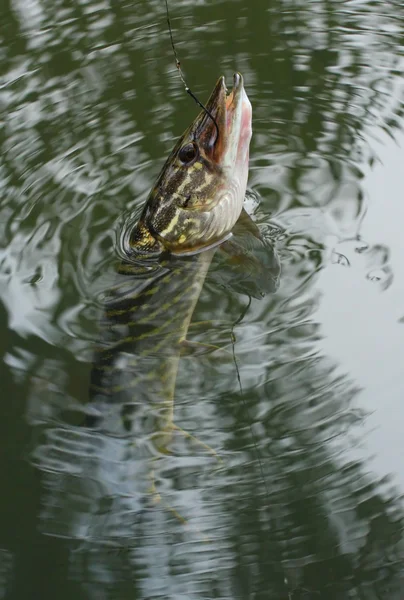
x=383 y=277
x=363 y=247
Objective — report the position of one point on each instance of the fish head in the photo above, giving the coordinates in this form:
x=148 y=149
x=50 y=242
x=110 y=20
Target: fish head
x=199 y=193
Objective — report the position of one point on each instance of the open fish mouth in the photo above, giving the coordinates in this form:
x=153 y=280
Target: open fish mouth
x=232 y=97
x=227 y=138
x=199 y=194
x=238 y=118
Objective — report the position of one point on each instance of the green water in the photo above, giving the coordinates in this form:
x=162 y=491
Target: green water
x=90 y=106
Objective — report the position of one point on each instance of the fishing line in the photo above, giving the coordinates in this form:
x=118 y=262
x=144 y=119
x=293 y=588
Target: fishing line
x=233 y=343
x=250 y=422
x=178 y=65
x=233 y=337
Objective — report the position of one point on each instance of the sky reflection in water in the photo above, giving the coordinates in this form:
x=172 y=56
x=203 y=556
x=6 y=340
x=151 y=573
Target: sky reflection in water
x=91 y=106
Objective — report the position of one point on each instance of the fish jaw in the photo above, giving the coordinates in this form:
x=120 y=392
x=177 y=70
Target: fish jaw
x=199 y=194
x=239 y=127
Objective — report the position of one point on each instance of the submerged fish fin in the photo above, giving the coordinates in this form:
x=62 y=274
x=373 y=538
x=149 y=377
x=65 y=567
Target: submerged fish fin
x=158 y=499
x=197 y=441
x=245 y=225
x=248 y=262
x=190 y=349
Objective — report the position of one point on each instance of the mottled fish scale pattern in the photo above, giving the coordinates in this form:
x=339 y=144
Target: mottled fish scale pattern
x=145 y=321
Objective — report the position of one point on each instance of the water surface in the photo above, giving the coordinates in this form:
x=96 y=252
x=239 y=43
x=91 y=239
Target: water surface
x=91 y=104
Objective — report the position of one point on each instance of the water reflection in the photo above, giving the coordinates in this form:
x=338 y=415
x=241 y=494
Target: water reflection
x=90 y=109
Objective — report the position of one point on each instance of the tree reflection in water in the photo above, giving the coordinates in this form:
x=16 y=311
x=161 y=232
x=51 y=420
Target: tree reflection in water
x=90 y=112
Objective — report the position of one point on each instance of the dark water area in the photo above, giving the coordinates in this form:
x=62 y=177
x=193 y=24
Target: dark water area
x=307 y=502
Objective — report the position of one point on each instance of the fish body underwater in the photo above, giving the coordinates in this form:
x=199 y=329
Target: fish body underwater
x=191 y=210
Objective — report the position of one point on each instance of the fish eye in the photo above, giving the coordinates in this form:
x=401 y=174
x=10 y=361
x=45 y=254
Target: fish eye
x=188 y=153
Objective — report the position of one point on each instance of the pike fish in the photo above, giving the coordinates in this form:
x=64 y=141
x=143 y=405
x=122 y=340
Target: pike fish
x=191 y=210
